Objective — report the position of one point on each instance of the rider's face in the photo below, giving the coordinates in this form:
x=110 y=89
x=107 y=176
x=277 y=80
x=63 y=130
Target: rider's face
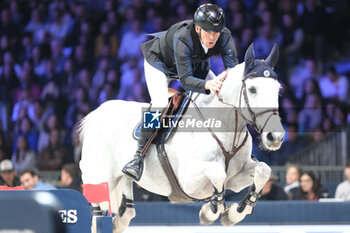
x=208 y=38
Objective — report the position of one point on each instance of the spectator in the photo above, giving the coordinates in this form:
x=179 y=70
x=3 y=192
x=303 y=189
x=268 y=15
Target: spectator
x=27 y=130
x=7 y=27
x=272 y=191
x=113 y=79
x=131 y=40
x=20 y=107
x=51 y=157
x=247 y=37
x=99 y=78
x=132 y=86
x=5 y=141
x=8 y=83
x=311 y=115
x=8 y=174
x=80 y=104
x=81 y=60
x=57 y=55
x=300 y=73
x=51 y=123
x=60 y=25
x=36 y=114
x=30 y=181
x=71 y=177
x=35 y=24
x=67 y=80
x=292 y=180
x=314 y=14
x=265 y=40
x=3 y=154
x=27 y=46
x=74 y=152
x=310 y=86
x=24 y=157
x=49 y=73
x=334 y=86
x=84 y=78
x=310 y=189
x=294 y=143
x=39 y=61
x=343 y=189
x=292 y=39
x=27 y=85
x=107 y=93
x=106 y=36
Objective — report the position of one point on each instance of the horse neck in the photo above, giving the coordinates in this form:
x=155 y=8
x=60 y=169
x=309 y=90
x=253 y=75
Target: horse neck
x=230 y=94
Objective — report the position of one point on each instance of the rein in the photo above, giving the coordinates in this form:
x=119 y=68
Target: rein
x=235 y=148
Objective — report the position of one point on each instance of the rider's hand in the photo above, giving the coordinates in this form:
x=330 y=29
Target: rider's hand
x=214 y=85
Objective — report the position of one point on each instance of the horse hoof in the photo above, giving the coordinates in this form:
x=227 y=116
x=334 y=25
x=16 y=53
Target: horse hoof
x=225 y=220
x=231 y=216
x=204 y=220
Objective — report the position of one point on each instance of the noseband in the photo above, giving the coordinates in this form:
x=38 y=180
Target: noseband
x=253 y=116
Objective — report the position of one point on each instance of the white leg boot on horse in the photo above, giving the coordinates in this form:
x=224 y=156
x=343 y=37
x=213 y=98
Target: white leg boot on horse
x=126 y=210
x=212 y=210
x=237 y=212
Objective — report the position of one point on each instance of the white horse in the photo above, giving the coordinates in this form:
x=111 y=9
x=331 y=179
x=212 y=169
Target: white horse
x=197 y=159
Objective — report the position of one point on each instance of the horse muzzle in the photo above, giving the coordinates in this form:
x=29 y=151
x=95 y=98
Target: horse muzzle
x=272 y=140
x=273 y=134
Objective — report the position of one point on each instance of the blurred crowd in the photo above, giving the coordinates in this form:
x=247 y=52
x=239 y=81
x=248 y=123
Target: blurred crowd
x=60 y=59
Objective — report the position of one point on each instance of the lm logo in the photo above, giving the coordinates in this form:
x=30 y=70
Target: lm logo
x=151 y=119
x=68 y=216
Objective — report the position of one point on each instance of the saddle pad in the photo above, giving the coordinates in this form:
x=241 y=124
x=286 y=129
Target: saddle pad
x=175 y=119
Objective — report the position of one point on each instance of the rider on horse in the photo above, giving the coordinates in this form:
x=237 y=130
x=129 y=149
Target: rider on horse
x=182 y=52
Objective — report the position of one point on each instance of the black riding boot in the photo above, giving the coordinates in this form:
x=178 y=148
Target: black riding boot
x=134 y=168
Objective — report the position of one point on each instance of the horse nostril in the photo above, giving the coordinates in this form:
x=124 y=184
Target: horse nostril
x=270 y=137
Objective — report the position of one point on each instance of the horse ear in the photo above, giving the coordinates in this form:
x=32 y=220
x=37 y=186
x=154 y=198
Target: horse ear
x=272 y=59
x=249 y=57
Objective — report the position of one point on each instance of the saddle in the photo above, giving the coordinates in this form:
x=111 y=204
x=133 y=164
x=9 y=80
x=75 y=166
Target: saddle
x=177 y=105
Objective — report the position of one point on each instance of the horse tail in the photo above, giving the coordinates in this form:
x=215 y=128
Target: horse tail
x=80 y=128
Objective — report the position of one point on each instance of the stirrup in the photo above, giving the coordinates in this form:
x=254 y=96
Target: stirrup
x=130 y=175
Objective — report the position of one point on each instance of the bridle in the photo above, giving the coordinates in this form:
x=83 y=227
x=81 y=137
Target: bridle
x=253 y=119
x=253 y=116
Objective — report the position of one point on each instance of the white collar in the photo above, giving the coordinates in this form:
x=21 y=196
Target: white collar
x=205 y=48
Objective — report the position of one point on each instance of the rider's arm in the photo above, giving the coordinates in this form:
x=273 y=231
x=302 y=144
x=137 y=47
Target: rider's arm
x=229 y=52
x=183 y=52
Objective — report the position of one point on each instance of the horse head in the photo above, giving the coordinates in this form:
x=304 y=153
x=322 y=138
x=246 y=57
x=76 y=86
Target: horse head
x=256 y=97
x=260 y=90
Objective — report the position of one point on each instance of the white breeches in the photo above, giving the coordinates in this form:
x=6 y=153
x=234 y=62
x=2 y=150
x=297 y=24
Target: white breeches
x=157 y=84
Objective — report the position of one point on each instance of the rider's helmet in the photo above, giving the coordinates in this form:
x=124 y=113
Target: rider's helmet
x=210 y=18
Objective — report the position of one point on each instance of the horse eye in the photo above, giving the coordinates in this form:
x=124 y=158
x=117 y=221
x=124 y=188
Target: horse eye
x=252 y=90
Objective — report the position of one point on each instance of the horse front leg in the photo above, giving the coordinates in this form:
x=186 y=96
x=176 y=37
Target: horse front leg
x=212 y=210
x=237 y=212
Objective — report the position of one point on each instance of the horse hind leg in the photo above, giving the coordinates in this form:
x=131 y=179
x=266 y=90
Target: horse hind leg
x=237 y=212
x=95 y=211
x=124 y=206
